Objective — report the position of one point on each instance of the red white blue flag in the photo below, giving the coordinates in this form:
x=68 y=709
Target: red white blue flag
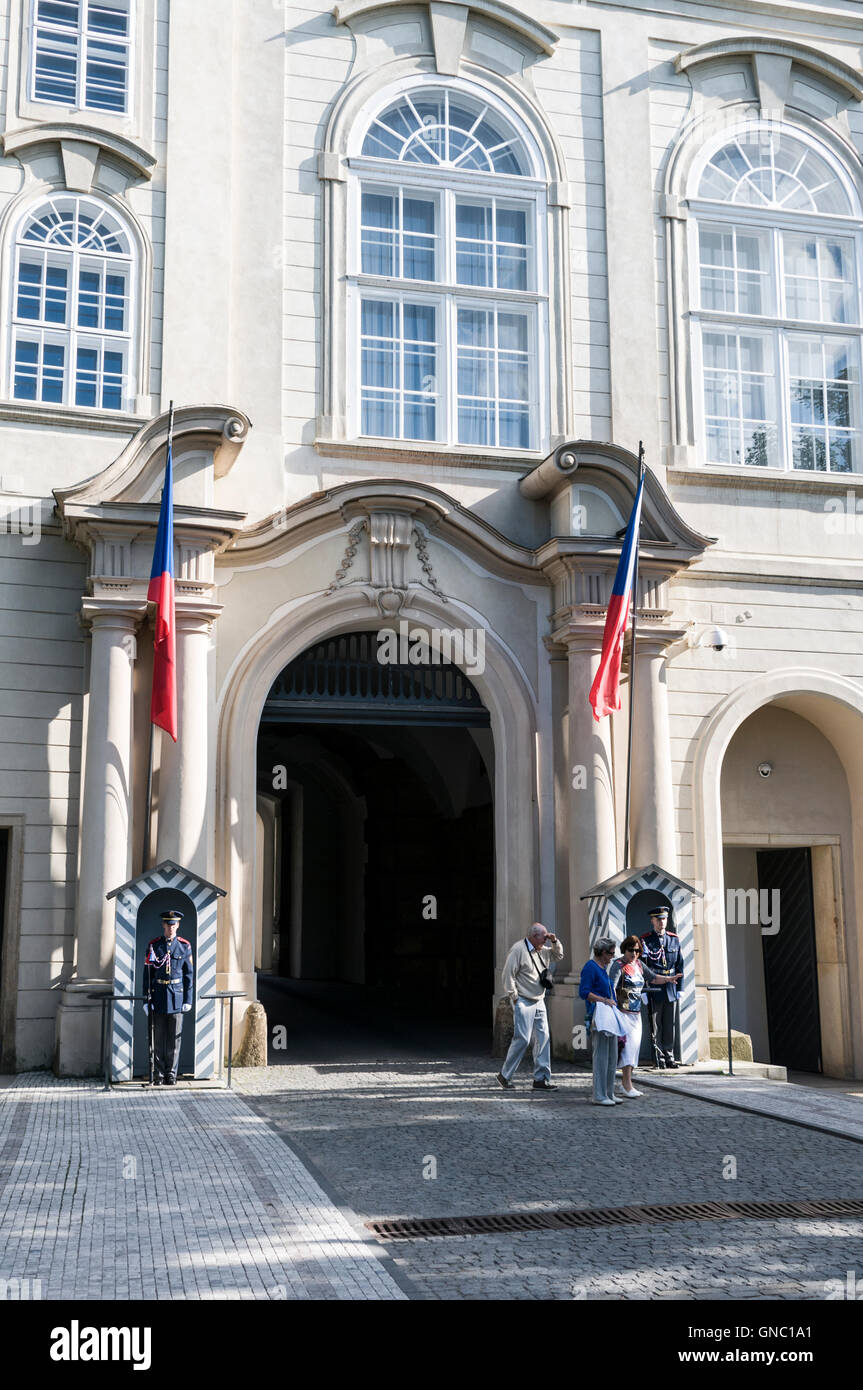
x=605 y=691
x=163 y=703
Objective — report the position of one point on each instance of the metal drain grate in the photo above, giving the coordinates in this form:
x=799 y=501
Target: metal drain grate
x=584 y=1218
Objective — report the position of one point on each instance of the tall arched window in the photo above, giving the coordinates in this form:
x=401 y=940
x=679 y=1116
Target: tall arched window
x=71 y=335
x=776 y=301
x=448 y=274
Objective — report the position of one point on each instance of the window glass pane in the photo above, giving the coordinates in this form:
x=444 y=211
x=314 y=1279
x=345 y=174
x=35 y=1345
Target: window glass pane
x=825 y=403
x=89 y=296
x=106 y=77
x=378 y=234
x=735 y=276
x=86 y=376
x=474 y=246
x=112 y=381
x=29 y=291
x=819 y=278
x=493 y=378
x=26 y=370
x=418 y=216
x=741 y=423
x=103 y=17
x=55 y=73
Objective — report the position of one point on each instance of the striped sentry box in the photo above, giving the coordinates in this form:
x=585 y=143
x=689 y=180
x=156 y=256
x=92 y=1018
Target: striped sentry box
x=205 y=898
x=606 y=916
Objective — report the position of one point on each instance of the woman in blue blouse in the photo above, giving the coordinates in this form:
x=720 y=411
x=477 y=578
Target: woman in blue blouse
x=628 y=977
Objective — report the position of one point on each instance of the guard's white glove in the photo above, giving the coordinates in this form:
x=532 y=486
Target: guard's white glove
x=186 y=1008
x=146 y=1008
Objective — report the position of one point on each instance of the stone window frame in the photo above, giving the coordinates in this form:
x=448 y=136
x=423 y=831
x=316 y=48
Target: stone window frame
x=774 y=69
x=137 y=404
x=445 y=295
x=778 y=327
x=130 y=132
x=367 y=93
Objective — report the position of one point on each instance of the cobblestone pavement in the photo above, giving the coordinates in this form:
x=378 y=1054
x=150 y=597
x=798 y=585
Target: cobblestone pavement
x=190 y=1195
x=413 y=1138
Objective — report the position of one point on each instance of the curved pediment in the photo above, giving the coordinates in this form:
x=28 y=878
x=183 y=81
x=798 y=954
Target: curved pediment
x=215 y=432
x=591 y=488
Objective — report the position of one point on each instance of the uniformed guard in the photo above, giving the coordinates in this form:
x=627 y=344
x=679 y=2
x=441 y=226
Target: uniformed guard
x=661 y=950
x=169 y=975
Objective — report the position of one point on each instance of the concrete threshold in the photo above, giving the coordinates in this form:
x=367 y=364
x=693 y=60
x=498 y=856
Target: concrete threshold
x=807 y=1107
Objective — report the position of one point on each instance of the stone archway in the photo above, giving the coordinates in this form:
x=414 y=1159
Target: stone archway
x=834 y=706
x=504 y=691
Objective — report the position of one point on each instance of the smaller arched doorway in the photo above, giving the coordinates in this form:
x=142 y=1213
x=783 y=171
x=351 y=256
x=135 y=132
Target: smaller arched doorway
x=788 y=847
x=375 y=784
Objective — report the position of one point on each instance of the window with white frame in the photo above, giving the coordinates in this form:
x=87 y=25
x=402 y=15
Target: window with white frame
x=776 y=306
x=80 y=54
x=448 y=275
x=71 y=330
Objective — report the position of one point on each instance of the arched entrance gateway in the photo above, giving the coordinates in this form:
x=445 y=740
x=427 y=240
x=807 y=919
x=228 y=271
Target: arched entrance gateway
x=375 y=769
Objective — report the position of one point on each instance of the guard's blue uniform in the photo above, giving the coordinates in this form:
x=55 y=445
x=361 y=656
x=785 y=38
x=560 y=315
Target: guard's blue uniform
x=169 y=978
x=663 y=954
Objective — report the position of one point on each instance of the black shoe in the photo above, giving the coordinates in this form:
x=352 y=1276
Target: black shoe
x=673 y=1064
x=543 y=1086
x=502 y=1081
x=170 y=1080
x=660 y=1064
x=157 y=1080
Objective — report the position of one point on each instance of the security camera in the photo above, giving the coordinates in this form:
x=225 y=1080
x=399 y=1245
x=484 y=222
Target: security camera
x=765 y=769
x=716 y=638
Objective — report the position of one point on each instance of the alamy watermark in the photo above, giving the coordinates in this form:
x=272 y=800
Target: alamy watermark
x=435 y=646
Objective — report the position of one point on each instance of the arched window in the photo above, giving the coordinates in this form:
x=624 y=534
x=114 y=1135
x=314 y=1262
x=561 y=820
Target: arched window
x=448 y=274
x=71 y=335
x=776 y=305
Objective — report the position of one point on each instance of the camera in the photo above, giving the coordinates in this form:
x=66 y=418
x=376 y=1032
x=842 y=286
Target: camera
x=545 y=979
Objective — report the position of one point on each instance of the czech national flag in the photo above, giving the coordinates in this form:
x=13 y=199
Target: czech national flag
x=163 y=704
x=605 y=691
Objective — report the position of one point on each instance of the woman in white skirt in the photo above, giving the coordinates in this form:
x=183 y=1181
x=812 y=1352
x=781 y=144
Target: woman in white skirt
x=629 y=977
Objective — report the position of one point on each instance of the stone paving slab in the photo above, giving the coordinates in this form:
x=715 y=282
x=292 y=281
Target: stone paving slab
x=397 y=1138
x=833 y=1111
x=167 y=1194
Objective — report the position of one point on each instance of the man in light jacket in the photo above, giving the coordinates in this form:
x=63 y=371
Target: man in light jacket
x=523 y=982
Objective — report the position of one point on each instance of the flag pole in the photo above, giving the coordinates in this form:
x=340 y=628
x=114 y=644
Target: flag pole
x=148 y=816
x=626 y=863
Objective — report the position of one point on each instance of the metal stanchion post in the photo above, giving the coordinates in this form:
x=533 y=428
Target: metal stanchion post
x=727 y=989
x=223 y=995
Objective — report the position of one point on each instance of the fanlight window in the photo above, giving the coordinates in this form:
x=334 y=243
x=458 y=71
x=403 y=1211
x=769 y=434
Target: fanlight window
x=447 y=279
x=777 y=308
x=776 y=171
x=71 y=312
x=445 y=130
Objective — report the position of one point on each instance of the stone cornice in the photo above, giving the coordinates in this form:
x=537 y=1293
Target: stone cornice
x=139 y=160
x=327 y=512
x=514 y=17
x=842 y=75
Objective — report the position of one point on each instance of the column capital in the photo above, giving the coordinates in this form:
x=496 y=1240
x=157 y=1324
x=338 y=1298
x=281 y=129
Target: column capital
x=121 y=614
x=585 y=636
x=656 y=643
x=197 y=617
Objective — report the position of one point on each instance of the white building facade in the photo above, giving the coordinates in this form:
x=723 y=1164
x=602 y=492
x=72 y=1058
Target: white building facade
x=419 y=277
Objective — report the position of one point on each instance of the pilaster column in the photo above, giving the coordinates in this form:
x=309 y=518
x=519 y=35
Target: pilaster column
x=105 y=855
x=592 y=836
x=652 y=824
x=183 y=831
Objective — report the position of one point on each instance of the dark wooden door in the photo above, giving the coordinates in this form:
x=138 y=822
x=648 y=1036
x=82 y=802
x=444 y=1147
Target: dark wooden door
x=790 y=960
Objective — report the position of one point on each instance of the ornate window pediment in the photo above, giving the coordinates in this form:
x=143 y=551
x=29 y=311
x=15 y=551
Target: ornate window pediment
x=451 y=28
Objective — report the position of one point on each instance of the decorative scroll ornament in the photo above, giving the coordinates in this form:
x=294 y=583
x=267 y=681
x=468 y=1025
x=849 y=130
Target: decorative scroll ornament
x=390 y=537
